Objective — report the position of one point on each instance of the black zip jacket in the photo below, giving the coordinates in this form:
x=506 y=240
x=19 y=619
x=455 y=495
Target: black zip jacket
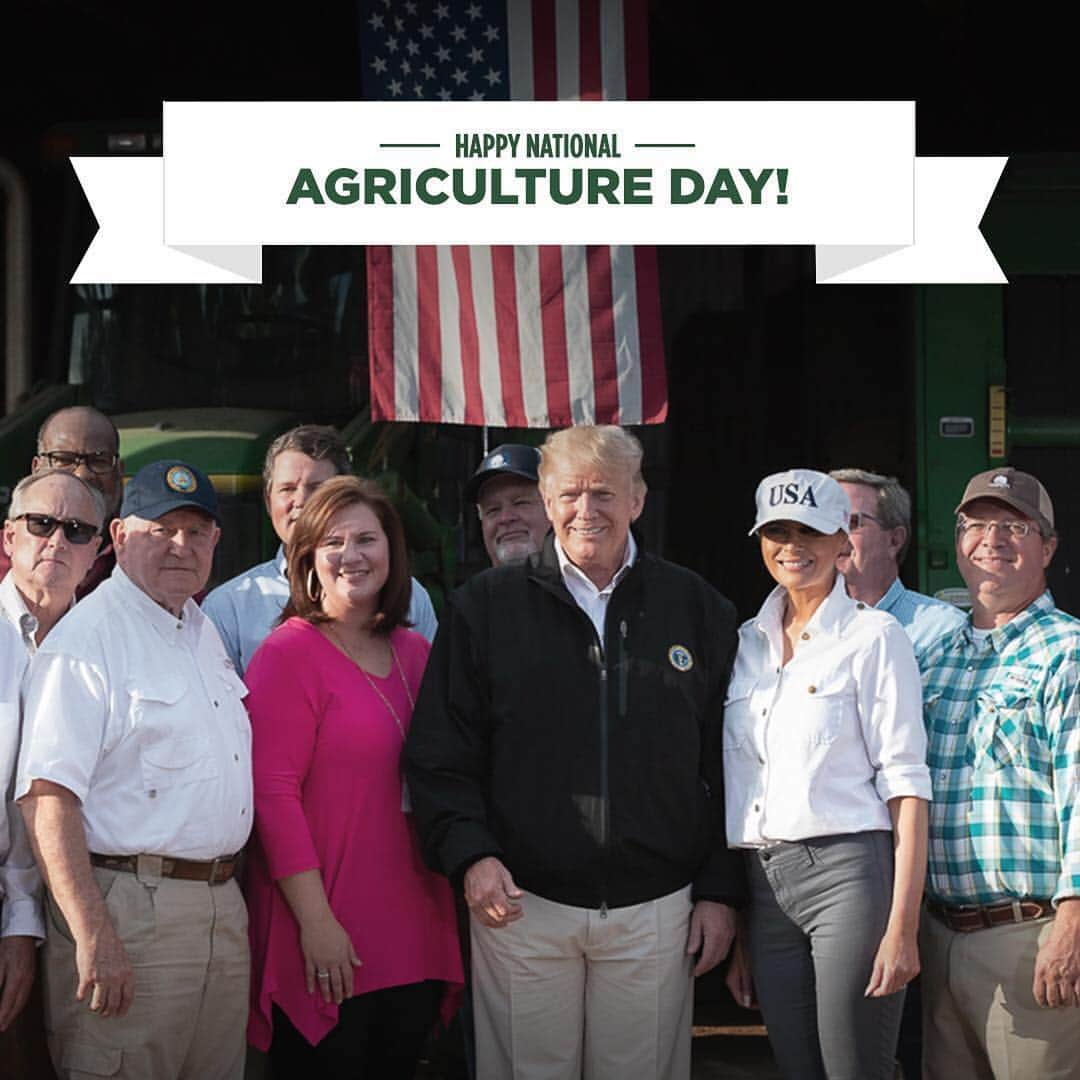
x=592 y=769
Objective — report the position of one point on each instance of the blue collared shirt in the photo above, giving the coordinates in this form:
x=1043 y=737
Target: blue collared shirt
x=924 y=618
x=248 y=607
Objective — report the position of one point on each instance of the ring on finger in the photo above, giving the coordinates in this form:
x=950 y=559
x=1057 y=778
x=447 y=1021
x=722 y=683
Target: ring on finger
x=322 y=974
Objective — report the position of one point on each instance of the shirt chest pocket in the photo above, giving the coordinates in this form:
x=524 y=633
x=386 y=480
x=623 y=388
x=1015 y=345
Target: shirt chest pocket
x=738 y=715
x=825 y=706
x=174 y=748
x=1001 y=733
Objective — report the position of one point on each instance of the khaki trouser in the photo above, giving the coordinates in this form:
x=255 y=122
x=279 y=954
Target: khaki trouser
x=187 y=942
x=564 y=993
x=980 y=1019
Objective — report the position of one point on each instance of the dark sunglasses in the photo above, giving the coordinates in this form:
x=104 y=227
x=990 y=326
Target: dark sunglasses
x=44 y=525
x=98 y=461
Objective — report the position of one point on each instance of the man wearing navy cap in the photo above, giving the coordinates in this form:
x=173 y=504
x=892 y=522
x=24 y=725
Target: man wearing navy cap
x=135 y=782
x=512 y=518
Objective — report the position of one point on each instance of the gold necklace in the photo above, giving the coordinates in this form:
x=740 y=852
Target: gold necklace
x=371 y=682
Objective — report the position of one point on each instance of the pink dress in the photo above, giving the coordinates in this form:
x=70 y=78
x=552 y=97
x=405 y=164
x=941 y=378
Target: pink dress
x=328 y=796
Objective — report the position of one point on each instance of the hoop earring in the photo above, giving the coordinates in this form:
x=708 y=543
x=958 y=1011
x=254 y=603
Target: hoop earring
x=314 y=590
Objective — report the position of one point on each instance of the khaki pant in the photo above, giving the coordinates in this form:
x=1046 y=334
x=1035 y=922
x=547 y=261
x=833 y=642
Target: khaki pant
x=187 y=942
x=564 y=993
x=980 y=1019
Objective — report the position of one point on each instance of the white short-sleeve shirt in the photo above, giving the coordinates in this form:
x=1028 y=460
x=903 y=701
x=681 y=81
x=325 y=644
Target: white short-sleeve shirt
x=818 y=746
x=140 y=714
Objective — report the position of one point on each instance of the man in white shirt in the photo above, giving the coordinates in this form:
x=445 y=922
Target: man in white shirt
x=246 y=608
x=135 y=782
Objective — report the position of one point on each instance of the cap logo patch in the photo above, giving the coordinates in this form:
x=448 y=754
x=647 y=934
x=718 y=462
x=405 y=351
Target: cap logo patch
x=680 y=658
x=789 y=495
x=1001 y=480
x=180 y=478
x=497 y=461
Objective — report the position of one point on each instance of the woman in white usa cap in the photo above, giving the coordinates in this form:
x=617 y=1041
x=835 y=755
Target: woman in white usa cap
x=826 y=788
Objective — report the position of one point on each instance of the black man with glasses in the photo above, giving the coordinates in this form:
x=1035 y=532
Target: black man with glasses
x=1001 y=943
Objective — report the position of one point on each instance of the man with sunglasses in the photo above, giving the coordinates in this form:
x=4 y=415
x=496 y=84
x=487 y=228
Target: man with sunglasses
x=135 y=782
x=1001 y=938
x=52 y=535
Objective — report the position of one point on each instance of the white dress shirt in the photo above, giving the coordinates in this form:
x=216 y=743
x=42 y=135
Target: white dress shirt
x=20 y=882
x=13 y=608
x=818 y=746
x=140 y=715
x=587 y=596
x=247 y=607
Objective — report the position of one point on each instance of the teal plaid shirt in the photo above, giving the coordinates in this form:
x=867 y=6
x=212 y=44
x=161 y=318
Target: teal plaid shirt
x=1003 y=723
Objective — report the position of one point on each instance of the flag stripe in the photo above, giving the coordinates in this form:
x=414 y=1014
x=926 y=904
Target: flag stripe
x=636 y=51
x=567 y=27
x=602 y=331
x=612 y=50
x=590 y=62
x=545 y=61
x=381 y=311
x=531 y=335
x=428 y=332
x=627 y=344
x=473 y=411
x=504 y=303
x=553 y=328
x=653 y=380
x=578 y=344
x=452 y=394
x=519 y=43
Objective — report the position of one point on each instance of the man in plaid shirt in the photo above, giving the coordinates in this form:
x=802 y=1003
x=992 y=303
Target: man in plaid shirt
x=1001 y=943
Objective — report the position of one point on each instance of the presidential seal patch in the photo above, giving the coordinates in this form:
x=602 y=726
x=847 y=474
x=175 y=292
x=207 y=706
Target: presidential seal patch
x=180 y=478
x=680 y=658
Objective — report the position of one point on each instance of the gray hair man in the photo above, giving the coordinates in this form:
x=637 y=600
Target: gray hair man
x=508 y=503
x=1001 y=940
x=880 y=534
x=565 y=766
x=135 y=783
x=246 y=608
x=51 y=536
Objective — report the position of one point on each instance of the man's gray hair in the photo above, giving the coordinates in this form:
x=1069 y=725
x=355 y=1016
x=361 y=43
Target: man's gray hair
x=316 y=441
x=893 y=501
x=18 y=496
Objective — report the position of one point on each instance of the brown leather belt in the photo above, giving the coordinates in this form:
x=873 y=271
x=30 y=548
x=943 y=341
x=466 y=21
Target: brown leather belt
x=983 y=916
x=212 y=871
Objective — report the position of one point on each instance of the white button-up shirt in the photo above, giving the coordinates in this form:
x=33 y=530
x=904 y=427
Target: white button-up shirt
x=818 y=746
x=140 y=714
x=13 y=608
x=587 y=596
x=20 y=882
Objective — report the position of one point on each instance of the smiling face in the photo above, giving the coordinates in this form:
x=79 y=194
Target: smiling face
x=170 y=558
x=1003 y=573
x=591 y=509
x=512 y=518
x=51 y=563
x=870 y=565
x=294 y=479
x=800 y=558
x=352 y=562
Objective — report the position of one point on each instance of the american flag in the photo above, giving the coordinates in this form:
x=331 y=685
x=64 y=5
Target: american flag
x=511 y=336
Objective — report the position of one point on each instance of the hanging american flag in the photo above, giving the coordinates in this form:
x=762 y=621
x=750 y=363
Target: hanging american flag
x=512 y=336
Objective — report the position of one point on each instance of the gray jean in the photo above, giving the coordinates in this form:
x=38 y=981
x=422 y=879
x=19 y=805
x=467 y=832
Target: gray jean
x=818 y=910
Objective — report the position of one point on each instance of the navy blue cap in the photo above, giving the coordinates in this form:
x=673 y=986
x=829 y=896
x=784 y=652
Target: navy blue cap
x=511 y=459
x=162 y=486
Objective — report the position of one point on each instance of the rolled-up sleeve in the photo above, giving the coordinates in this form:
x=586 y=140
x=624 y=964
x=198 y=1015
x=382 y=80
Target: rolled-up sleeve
x=890 y=715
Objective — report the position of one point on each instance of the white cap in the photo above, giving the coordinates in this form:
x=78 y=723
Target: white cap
x=803 y=495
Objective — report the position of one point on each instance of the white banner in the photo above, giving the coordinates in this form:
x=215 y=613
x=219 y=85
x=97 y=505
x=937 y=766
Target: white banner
x=840 y=175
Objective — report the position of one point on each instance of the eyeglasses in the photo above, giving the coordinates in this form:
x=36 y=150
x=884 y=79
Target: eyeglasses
x=973 y=527
x=858 y=519
x=44 y=525
x=97 y=461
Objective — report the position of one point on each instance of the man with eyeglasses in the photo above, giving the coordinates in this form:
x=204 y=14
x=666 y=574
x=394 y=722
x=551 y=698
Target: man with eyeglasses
x=83 y=441
x=504 y=488
x=134 y=780
x=1001 y=937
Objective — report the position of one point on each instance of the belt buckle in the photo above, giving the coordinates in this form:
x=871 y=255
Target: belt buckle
x=214 y=864
x=1017 y=911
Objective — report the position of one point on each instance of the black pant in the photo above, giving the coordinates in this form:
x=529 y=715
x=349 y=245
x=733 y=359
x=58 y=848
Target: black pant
x=379 y=1036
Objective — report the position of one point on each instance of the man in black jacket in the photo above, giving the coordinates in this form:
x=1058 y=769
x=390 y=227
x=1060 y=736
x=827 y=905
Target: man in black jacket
x=565 y=766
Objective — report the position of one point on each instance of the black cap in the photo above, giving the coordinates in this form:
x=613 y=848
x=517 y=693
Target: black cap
x=162 y=486
x=511 y=459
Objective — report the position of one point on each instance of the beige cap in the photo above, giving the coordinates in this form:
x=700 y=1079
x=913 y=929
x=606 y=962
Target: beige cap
x=1020 y=490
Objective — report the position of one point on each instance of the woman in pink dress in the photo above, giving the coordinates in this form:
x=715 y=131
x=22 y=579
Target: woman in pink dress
x=353 y=940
